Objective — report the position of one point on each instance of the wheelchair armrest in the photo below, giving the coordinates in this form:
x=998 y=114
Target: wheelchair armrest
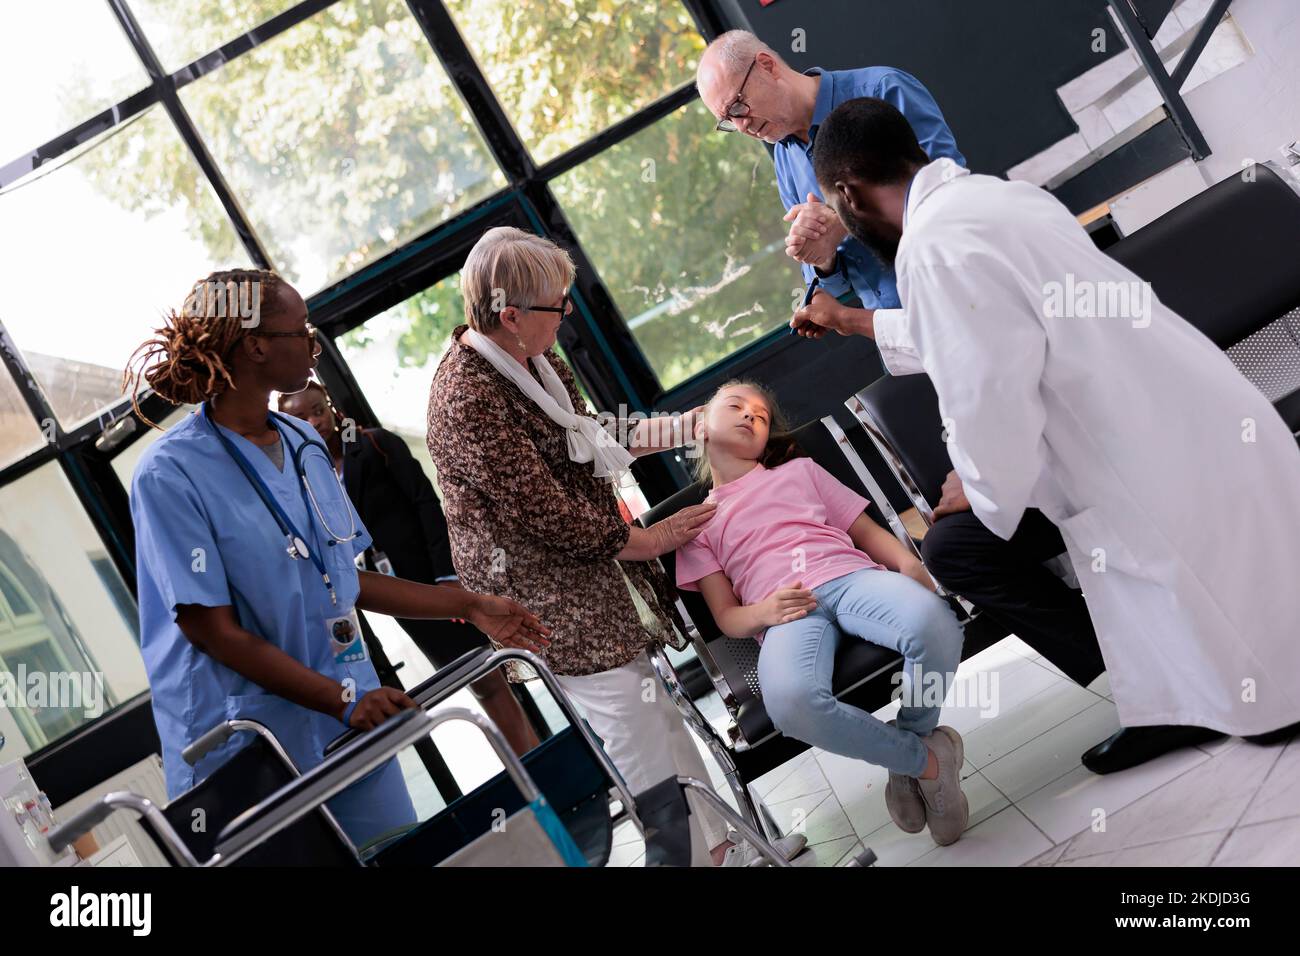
x=63 y=836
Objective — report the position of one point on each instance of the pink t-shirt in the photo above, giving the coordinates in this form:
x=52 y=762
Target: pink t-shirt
x=774 y=527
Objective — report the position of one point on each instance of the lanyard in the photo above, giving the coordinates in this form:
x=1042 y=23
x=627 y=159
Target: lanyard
x=297 y=546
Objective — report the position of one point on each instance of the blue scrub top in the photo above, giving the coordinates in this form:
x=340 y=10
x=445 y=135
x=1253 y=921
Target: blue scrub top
x=858 y=269
x=203 y=536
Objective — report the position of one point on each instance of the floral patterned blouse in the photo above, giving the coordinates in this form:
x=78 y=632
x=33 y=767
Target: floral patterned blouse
x=529 y=524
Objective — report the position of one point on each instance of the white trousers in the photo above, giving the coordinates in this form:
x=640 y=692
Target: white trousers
x=630 y=710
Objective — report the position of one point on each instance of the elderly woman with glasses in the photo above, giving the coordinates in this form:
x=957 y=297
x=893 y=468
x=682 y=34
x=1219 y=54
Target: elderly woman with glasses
x=527 y=476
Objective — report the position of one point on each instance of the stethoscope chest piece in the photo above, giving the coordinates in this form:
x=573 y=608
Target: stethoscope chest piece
x=298 y=548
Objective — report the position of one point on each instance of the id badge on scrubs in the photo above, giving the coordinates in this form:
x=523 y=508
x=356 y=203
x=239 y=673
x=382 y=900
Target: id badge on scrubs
x=345 y=638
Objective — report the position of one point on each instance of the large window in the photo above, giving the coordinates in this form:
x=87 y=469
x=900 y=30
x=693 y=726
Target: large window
x=684 y=225
x=61 y=62
x=567 y=69
x=66 y=653
x=19 y=435
x=181 y=31
x=343 y=138
x=96 y=248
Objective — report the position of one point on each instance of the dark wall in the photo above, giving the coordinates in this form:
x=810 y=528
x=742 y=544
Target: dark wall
x=992 y=65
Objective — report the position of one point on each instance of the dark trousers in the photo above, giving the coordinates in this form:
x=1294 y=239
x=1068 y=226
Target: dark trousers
x=1007 y=581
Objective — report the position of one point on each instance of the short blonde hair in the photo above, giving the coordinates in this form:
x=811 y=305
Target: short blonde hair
x=508 y=266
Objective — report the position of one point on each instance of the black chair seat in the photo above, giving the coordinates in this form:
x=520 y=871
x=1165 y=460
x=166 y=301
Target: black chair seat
x=855 y=662
x=251 y=775
x=374 y=739
x=565 y=772
x=905 y=411
x=1217 y=259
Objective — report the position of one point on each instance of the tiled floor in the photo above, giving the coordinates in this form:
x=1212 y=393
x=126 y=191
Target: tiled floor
x=1032 y=803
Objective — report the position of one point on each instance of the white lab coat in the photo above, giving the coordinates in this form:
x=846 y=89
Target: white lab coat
x=1174 y=482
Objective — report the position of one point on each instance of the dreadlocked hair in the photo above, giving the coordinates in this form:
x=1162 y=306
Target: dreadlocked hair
x=186 y=362
x=781 y=446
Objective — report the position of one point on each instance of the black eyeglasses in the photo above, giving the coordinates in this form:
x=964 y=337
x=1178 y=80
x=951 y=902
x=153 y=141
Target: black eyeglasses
x=562 y=309
x=738 y=107
x=308 y=331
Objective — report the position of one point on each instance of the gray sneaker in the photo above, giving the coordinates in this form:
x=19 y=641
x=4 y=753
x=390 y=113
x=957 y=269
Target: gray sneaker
x=903 y=800
x=946 y=809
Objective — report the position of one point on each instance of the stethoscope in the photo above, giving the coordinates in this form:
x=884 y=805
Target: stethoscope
x=295 y=544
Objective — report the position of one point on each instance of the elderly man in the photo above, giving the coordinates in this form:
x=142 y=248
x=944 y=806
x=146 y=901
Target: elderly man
x=752 y=90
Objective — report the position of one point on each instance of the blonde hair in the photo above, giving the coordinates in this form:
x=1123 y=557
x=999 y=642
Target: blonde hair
x=508 y=266
x=781 y=446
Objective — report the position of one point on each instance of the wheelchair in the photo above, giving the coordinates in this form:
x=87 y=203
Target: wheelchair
x=556 y=806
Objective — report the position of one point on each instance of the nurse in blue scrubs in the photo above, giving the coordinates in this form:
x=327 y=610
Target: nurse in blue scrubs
x=245 y=554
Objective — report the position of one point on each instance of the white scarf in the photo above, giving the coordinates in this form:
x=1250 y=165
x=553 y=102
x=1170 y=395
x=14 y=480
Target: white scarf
x=587 y=440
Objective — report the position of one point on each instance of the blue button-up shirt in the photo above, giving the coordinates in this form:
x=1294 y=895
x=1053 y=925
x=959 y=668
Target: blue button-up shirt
x=858 y=270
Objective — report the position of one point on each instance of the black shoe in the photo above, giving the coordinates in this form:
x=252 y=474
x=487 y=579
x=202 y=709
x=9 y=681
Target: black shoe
x=1274 y=736
x=1131 y=746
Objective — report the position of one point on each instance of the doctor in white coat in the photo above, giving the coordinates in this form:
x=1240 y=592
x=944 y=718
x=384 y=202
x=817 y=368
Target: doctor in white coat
x=1066 y=385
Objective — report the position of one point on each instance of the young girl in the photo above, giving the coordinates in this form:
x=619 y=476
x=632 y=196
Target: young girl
x=791 y=559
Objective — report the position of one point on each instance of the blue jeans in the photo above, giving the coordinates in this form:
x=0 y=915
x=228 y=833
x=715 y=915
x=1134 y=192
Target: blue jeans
x=882 y=607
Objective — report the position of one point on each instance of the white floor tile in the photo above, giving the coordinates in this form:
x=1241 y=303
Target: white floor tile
x=896 y=848
x=1132 y=105
x=1019 y=646
x=985 y=695
x=1093 y=127
x=1210 y=797
x=790 y=814
x=1071 y=803
x=850 y=855
x=1216 y=747
x=1191 y=12
x=830 y=853
x=1276 y=843
x=1279 y=795
x=1195 y=850
x=805 y=779
x=1090 y=86
x=1007 y=838
x=1057 y=158
x=860 y=788
x=853 y=780
x=626 y=832
x=826 y=823
x=777 y=775
x=1102 y=686
x=1042 y=661
x=1048 y=858
x=1052 y=754
x=628 y=854
x=1015 y=727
